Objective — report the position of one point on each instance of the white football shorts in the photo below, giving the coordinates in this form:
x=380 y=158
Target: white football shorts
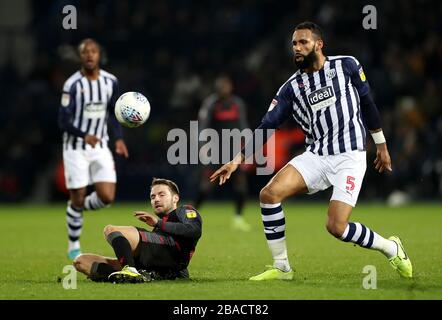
x=85 y=167
x=344 y=172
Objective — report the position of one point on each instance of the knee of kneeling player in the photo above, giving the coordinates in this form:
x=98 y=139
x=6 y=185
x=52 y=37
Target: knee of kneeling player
x=108 y=230
x=268 y=195
x=334 y=228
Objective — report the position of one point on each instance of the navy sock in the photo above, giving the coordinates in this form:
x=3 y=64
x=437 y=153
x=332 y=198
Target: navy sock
x=122 y=248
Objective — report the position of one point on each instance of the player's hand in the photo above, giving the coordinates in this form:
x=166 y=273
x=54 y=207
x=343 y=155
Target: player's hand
x=146 y=217
x=121 y=149
x=224 y=172
x=91 y=140
x=383 y=160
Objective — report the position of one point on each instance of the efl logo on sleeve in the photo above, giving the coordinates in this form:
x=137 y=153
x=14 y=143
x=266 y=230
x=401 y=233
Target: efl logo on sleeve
x=65 y=99
x=362 y=74
x=191 y=214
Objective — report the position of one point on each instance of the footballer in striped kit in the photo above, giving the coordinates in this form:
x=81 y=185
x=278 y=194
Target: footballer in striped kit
x=330 y=99
x=87 y=106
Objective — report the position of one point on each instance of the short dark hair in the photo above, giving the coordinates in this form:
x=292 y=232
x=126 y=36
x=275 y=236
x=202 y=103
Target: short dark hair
x=172 y=185
x=103 y=54
x=84 y=41
x=313 y=27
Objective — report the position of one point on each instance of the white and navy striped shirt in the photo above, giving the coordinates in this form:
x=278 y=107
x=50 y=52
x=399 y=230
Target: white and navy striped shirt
x=326 y=104
x=85 y=109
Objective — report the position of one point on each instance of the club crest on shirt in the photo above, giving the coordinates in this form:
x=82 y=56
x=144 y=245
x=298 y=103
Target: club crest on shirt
x=330 y=74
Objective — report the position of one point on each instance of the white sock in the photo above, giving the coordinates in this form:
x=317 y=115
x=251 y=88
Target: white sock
x=274 y=227
x=278 y=249
x=387 y=247
x=73 y=245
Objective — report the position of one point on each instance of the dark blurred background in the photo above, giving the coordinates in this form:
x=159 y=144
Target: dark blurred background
x=171 y=51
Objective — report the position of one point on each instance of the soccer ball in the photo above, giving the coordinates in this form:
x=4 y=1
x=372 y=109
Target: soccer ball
x=132 y=109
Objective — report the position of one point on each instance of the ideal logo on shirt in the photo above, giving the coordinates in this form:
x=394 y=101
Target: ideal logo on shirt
x=94 y=110
x=321 y=98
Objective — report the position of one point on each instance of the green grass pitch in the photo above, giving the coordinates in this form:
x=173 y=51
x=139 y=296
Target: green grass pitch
x=33 y=253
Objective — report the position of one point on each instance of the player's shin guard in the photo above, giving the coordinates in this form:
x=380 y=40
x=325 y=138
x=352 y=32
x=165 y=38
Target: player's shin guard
x=274 y=228
x=122 y=248
x=359 y=234
x=93 y=202
x=74 y=220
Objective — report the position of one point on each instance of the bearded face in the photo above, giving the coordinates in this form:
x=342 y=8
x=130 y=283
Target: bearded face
x=305 y=61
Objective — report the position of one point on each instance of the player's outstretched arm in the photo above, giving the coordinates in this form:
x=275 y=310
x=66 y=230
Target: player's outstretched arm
x=278 y=112
x=188 y=226
x=226 y=170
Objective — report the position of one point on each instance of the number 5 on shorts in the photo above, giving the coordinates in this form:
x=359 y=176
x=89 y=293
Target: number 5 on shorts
x=350 y=183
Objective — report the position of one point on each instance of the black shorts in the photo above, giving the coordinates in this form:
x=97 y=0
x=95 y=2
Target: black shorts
x=156 y=252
